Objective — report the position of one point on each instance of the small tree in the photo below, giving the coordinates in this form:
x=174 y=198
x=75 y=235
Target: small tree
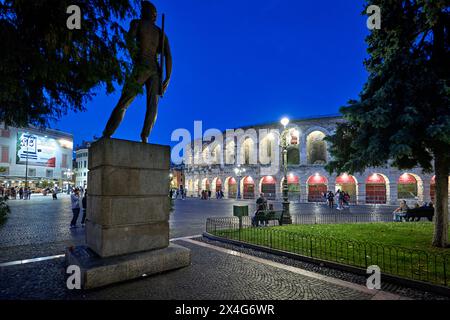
x=402 y=116
x=47 y=69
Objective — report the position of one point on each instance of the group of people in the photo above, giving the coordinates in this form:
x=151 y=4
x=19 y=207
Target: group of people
x=206 y=194
x=342 y=199
x=181 y=192
x=13 y=192
x=401 y=211
x=78 y=201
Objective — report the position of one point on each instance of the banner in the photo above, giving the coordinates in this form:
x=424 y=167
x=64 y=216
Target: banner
x=39 y=150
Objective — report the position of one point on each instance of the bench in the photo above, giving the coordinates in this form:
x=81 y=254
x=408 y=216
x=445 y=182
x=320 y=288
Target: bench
x=267 y=215
x=416 y=214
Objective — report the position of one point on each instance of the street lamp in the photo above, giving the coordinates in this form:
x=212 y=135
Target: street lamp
x=239 y=171
x=284 y=145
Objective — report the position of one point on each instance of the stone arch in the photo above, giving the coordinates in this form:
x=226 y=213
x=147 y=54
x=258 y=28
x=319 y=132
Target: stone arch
x=316 y=186
x=217 y=184
x=316 y=148
x=268 y=186
x=293 y=187
x=205 y=184
x=348 y=183
x=230 y=187
x=248 y=187
x=377 y=189
x=410 y=186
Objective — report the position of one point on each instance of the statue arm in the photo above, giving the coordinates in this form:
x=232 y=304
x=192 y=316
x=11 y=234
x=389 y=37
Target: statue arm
x=130 y=38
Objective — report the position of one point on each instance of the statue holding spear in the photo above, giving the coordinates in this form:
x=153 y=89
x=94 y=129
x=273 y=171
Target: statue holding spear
x=146 y=42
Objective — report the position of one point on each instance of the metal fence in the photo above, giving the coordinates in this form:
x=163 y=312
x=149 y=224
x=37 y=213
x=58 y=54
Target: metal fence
x=398 y=261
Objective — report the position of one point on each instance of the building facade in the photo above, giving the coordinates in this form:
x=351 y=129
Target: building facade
x=307 y=154
x=36 y=157
x=81 y=164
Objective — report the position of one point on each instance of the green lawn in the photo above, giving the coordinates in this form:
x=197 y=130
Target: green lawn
x=401 y=249
x=413 y=235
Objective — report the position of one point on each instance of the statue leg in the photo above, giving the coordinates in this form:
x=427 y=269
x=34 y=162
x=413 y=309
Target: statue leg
x=129 y=92
x=152 y=86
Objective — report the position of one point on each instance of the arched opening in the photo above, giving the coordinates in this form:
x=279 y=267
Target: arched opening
x=247 y=152
x=316 y=148
x=407 y=187
x=268 y=187
x=293 y=154
x=317 y=186
x=248 y=188
x=217 y=184
x=197 y=187
x=347 y=183
x=217 y=155
x=231 y=187
x=230 y=153
x=376 y=189
x=293 y=187
x=205 y=184
x=190 y=186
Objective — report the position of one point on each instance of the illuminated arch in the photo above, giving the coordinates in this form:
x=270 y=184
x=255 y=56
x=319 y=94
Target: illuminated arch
x=317 y=185
x=316 y=148
x=268 y=186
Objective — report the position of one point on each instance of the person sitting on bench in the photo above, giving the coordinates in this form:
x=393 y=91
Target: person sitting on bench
x=261 y=205
x=400 y=212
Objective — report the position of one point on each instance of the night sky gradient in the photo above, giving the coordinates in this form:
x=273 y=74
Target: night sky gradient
x=238 y=63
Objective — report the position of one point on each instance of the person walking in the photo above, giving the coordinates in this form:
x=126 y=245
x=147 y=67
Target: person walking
x=21 y=193
x=84 y=205
x=75 y=202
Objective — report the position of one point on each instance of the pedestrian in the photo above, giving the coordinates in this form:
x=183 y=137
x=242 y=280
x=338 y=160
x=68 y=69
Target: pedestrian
x=209 y=194
x=84 y=205
x=54 y=194
x=330 y=199
x=171 y=193
x=75 y=202
x=21 y=193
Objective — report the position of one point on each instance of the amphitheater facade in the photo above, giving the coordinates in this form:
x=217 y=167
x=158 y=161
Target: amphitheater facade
x=307 y=154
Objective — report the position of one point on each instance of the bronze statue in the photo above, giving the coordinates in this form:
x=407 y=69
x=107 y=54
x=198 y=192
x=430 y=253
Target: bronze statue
x=145 y=42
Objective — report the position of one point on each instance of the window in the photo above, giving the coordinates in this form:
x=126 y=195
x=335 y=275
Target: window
x=49 y=173
x=5 y=154
x=64 y=161
x=31 y=172
x=85 y=163
x=84 y=174
x=269 y=148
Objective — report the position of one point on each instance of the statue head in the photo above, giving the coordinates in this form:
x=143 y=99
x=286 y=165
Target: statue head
x=148 y=11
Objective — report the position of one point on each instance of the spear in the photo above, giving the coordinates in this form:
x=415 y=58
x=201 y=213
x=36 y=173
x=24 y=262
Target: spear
x=161 y=69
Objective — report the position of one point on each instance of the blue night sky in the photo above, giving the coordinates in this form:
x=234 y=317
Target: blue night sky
x=241 y=62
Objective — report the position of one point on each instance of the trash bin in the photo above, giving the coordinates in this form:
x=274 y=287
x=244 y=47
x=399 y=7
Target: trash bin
x=240 y=211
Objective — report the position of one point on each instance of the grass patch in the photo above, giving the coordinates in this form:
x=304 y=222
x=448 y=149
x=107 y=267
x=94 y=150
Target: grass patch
x=402 y=249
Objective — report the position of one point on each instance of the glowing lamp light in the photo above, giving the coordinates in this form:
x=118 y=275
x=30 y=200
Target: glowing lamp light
x=284 y=121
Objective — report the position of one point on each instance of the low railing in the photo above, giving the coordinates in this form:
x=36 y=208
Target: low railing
x=333 y=218
x=398 y=261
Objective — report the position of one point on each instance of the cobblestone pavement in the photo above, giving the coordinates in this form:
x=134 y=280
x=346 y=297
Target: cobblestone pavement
x=338 y=274
x=212 y=275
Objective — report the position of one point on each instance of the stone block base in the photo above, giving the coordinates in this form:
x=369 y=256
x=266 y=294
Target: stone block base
x=98 y=272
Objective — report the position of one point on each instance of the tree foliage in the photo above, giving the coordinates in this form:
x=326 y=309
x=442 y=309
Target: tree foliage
x=47 y=69
x=403 y=112
x=402 y=116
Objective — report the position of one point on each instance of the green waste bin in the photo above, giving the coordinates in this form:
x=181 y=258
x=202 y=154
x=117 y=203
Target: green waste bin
x=240 y=211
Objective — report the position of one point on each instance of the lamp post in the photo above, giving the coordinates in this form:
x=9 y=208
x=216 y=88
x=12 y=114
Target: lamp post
x=26 y=161
x=286 y=214
x=239 y=171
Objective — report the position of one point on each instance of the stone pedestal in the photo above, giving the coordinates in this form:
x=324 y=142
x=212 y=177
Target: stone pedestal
x=127 y=226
